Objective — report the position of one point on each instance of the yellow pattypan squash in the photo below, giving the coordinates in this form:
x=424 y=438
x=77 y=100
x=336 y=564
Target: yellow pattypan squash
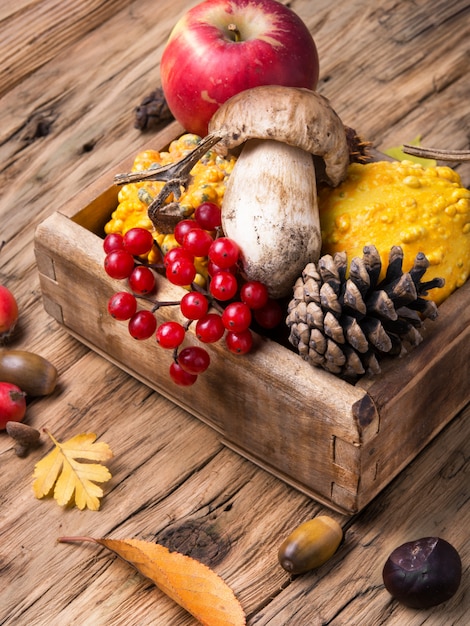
x=393 y=203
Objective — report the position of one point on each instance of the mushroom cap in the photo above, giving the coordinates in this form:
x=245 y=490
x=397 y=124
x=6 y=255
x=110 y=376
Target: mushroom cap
x=292 y=115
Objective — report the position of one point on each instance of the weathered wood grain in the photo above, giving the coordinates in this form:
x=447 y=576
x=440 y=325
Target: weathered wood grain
x=393 y=70
x=34 y=32
x=321 y=598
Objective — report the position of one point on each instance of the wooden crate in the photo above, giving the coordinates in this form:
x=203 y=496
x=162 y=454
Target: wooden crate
x=339 y=443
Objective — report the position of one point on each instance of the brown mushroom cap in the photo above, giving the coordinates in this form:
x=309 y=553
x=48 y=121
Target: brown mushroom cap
x=295 y=116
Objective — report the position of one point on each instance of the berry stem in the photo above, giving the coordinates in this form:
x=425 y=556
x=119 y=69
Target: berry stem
x=159 y=303
x=213 y=302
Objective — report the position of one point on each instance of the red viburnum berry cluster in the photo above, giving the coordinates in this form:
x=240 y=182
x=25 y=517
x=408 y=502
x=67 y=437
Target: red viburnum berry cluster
x=234 y=307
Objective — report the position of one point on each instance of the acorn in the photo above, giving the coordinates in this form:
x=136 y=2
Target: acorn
x=34 y=374
x=310 y=545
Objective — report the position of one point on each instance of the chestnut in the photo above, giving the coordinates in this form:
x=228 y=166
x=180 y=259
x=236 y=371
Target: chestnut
x=423 y=573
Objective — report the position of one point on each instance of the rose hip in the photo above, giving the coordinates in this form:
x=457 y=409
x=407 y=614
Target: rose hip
x=142 y=280
x=194 y=359
x=12 y=404
x=113 y=241
x=8 y=313
x=142 y=325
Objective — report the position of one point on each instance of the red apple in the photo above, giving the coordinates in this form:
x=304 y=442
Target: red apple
x=222 y=47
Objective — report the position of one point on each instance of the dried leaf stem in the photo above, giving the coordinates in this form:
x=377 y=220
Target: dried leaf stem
x=436 y=153
x=78 y=539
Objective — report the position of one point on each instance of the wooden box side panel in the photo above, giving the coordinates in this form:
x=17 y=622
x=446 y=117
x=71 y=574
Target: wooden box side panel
x=422 y=392
x=270 y=405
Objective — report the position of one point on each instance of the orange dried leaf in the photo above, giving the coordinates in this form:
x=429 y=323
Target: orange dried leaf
x=191 y=584
x=70 y=480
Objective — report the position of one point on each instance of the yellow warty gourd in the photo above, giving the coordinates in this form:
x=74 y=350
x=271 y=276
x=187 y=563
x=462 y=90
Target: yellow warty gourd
x=401 y=204
x=208 y=178
x=207 y=185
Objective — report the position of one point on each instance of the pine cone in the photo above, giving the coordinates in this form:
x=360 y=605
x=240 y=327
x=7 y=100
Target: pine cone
x=345 y=324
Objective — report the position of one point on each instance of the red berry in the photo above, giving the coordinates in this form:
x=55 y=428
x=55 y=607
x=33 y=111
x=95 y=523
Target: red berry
x=142 y=325
x=182 y=228
x=138 y=241
x=223 y=285
x=175 y=254
x=180 y=376
x=170 y=335
x=122 y=305
x=197 y=241
x=224 y=252
x=208 y=216
x=119 y=264
x=12 y=404
x=194 y=359
x=239 y=342
x=194 y=305
x=270 y=315
x=213 y=268
x=210 y=328
x=8 y=313
x=236 y=316
x=113 y=241
x=181 y=272
x=142 y=280
x=254 y=294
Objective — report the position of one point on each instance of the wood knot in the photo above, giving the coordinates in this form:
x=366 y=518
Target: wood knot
x=364 y=411
x=197 y=540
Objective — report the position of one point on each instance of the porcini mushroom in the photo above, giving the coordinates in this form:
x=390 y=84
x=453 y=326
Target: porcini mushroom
x=270 y=202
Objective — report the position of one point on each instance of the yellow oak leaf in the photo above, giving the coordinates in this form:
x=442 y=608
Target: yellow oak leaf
x=190 y=583
x=69 y=479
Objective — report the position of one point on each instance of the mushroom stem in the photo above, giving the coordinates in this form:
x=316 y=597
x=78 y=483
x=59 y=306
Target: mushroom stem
x=270 y=209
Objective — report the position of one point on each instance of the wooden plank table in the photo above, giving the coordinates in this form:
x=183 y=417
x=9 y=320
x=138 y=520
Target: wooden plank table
x=71 y=74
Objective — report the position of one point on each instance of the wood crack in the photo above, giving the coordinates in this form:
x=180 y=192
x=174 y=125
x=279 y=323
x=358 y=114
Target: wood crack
x=366 y=591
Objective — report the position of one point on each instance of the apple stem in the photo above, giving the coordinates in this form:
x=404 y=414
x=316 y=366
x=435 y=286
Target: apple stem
x=233 y=29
